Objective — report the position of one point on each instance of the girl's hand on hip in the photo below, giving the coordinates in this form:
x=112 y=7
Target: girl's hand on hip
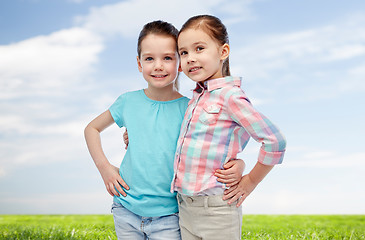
x=232 y=172
x=113 y=181
x=240 y=191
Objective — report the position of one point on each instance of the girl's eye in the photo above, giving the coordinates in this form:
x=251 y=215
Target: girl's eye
x=183 y=53
x=199 y=49
x=168 y=58
x=149 y=58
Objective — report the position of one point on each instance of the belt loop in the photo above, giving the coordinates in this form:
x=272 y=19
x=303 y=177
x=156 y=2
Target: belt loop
x=206 y=198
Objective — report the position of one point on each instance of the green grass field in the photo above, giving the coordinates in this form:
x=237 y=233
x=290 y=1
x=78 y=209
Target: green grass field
x=254 y=227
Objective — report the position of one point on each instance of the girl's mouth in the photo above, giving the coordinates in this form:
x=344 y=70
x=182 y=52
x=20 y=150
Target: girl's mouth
x=194 y=69
x=159 y=76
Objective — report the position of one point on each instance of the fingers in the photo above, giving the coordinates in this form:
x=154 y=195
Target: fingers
x=228 y=173
x=125 y=134
x=228 y=182
x=241 y=201
x=121 y=182
x=232 y=183
x=225 y=177
x=111 y=190
x=122 y=192
x=228 y=179
x=224 y=173
x=228 y=193
x=233 y=196
x=125 y=139
x=228 y=164
x=230 y=189
x=115 y=188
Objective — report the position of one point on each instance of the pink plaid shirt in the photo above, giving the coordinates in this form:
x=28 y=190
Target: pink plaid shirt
x=217 y=125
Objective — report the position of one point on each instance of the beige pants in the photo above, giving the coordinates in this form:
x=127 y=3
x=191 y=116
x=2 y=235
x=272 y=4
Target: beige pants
x=208 y=218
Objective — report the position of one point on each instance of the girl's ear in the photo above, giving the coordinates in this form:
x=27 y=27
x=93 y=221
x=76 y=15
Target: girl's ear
x=179 y=69
x=224 y=51
x=139 y=64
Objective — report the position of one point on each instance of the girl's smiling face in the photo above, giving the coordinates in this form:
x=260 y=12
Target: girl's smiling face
x=201 y=56
x=158 y=61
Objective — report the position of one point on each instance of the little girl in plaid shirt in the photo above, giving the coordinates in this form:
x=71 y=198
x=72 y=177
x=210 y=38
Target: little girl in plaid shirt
x=217 y=125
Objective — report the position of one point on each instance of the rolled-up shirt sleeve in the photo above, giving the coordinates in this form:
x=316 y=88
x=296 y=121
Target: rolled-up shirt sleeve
x=259 y=127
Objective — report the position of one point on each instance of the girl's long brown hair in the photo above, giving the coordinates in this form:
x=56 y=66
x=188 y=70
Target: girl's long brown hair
x=214 y=27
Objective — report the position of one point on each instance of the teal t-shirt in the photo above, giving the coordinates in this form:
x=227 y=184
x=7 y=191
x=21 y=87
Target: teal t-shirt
x=147 y=167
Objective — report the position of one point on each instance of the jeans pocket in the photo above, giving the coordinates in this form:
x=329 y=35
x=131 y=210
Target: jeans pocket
x=115 y=205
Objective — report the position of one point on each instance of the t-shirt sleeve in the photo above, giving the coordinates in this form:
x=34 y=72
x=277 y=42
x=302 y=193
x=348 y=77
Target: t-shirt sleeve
x=116 y=110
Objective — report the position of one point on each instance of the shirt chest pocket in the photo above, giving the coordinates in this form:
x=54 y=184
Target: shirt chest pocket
x=210 y=113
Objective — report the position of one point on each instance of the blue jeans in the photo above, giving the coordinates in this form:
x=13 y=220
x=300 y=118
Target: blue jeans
x=132 y=226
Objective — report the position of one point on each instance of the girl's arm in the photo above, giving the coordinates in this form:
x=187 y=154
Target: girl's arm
x=258 y=126
x=110 y=174
x=261 y=129
x=247 y=184
x=232 y=172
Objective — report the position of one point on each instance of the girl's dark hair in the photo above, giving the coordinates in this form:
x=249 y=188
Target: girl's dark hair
x=158 y=28
x=214 y=27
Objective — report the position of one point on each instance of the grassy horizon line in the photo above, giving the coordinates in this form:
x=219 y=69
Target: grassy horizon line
x=254 y=226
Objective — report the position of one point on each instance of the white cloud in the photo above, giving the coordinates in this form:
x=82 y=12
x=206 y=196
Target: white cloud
x=45 y=65
x=355 y=80
x=2 y=172
x=38 y=79
x=36 y=144
x=317 y=59
x=127 y=18
x=345 y=52
x=306 y=47
x=25 y=151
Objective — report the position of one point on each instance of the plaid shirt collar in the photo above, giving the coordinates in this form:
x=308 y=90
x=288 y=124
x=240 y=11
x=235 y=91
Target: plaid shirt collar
x=217 y=83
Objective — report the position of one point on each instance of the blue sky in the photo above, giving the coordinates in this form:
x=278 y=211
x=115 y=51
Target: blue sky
x=63 y=62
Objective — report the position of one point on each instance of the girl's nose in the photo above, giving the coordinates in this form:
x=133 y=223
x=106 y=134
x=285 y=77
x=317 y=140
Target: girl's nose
x=158 y=65
x=191 y=58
